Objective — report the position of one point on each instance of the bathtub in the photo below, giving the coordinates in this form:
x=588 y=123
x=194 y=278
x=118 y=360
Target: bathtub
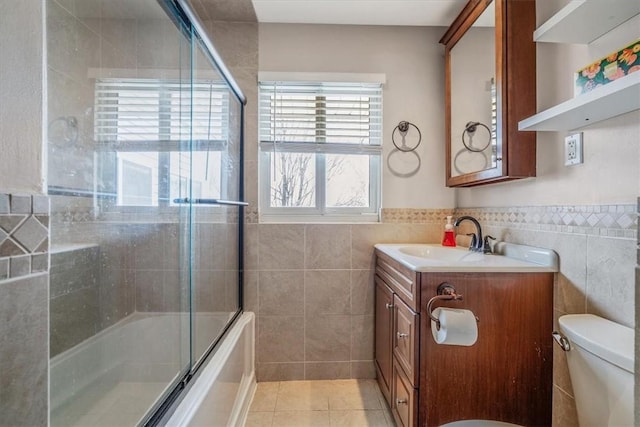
x=115 y=376
x=221 y=393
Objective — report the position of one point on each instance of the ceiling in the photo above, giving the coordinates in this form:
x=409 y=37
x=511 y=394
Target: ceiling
x=350 y=12
x=359 y=12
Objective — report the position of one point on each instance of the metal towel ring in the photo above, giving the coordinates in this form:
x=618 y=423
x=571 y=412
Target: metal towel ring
x=470 y=128
x=403 y=128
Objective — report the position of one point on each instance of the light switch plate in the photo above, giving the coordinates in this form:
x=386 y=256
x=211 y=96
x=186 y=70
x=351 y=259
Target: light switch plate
x=573 y=149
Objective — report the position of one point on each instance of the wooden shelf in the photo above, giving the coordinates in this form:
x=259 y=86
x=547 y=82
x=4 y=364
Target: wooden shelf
x=583 y=21
x=616 y=98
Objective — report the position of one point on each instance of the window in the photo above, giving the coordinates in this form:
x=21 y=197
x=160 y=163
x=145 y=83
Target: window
x=320 y=149
x=143 y=131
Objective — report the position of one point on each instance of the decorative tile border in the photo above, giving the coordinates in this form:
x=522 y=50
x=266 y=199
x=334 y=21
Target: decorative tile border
x=416 y=216
x=603 y=220
x=24 y=235
x=251 y=215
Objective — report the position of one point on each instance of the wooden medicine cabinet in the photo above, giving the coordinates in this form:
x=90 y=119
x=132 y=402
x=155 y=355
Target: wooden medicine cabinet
x=490 y=85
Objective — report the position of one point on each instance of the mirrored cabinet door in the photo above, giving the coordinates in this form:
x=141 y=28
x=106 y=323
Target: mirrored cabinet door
x=490 y=86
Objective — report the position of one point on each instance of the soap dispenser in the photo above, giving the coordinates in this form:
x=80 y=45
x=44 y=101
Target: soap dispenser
x=449 y=238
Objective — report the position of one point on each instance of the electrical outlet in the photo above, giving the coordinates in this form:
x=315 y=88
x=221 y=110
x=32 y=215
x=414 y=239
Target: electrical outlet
x=573 y=149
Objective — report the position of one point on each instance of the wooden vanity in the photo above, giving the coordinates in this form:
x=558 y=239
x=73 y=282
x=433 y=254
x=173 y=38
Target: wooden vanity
x=505 y=376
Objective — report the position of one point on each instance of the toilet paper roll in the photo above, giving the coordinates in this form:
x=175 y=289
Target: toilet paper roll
x=457 y=327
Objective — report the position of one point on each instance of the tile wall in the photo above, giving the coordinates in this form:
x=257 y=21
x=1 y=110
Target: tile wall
x=312 y=290
x=311 y=287
x=597 y=246
x=637 y=347
x=24 y=233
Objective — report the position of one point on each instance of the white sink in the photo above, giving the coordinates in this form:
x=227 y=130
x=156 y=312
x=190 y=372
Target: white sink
x=437 y=258
x=441 y=254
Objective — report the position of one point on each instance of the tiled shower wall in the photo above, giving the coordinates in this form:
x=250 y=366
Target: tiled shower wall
x=24 y=235
x=24 y=223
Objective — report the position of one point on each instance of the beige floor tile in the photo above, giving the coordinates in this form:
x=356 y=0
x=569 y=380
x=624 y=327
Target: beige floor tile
x=259 y=419
x=358 y=418
x=265 y=397
x=387 y=414
x=355 y=394
x=301 y=419
x=303 y=396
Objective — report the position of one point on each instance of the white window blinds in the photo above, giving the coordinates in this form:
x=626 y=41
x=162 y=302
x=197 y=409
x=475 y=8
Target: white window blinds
x=318 y=116
x=160 y=111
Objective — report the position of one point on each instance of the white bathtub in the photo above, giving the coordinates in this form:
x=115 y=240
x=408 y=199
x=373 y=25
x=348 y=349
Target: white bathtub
x=222 y=392
x=114 y=377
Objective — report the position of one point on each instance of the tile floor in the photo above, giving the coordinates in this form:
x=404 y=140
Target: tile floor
x=356 y=403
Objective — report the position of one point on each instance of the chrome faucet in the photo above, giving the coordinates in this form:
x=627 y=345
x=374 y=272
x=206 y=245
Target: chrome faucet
x=477 y=243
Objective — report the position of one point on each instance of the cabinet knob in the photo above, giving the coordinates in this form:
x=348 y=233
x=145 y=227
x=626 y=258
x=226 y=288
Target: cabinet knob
x=401 y=335
x=389 y=306
x=401 y=402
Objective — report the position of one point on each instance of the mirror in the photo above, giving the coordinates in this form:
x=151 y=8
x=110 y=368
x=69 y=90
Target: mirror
x=489 y=86
x=473 y=98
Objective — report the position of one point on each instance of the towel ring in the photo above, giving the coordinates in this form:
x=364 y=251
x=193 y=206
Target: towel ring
x=470 y=128
x=403 y=129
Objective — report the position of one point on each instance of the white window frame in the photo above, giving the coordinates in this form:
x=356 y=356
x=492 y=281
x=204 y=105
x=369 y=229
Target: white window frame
x=319 y=213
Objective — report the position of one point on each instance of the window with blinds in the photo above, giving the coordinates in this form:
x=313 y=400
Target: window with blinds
x=320 y=147
x=157 y=111
x=146 y=131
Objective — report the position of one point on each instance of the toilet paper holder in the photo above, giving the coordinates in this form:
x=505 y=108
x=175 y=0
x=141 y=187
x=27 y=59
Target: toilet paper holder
x=445 y=292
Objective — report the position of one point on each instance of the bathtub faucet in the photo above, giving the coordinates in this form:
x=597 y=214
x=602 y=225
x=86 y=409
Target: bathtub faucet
x=477 y=243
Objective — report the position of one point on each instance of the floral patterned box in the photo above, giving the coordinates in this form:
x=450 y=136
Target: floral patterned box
x=608 y=69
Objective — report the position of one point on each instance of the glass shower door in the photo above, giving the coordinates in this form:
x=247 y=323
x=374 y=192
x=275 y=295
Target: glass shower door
x=119 y=78
x=216 y=221
x=144 y=174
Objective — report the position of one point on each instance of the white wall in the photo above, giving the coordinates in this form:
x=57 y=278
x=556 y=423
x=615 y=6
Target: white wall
x=412 y=60
x=21 y=96
x=610 y=173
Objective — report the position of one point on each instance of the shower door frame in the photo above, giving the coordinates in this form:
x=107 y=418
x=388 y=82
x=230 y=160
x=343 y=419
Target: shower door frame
x=183 y=16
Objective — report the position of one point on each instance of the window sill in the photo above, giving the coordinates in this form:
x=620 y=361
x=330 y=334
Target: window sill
x=319 y=219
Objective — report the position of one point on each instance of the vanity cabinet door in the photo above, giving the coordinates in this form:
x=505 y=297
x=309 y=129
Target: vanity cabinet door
x=405 y=339
x=384 y=329
x=399 y=278
x=404 y=401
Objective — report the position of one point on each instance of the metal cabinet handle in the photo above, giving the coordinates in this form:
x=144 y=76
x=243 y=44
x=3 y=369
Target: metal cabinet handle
x=389 y=306
x=401 y=335
x=401 y=402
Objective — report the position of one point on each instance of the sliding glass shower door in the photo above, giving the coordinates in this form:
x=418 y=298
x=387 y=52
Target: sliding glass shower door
x=144 y=174
x=215 y=196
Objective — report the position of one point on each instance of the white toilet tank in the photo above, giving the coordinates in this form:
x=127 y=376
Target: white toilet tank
x=601 y=368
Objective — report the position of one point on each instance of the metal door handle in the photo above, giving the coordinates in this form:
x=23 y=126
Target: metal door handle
x=562 y=341
x=211 y=202
x=401 y=335
x=389 y=306
x=401 y=402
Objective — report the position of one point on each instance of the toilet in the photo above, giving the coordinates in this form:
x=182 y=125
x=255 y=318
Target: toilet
x=600 y=359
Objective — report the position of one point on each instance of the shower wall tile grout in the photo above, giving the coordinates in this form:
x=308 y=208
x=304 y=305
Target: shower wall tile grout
x=24 y=235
